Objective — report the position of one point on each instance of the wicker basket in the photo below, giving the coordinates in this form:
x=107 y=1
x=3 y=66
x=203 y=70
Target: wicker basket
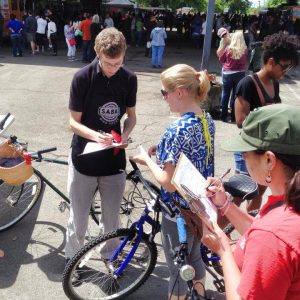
x=17 y=174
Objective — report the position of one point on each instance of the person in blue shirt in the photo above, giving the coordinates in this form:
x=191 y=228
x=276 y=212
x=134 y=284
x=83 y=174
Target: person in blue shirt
x=158 y=36
x=15 y=27
x=183 y=88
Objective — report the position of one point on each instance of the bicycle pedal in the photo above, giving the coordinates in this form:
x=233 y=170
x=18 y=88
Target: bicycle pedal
x=62 y=206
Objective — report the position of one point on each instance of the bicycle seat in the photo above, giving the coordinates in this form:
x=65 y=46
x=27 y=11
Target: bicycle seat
x=242 y=186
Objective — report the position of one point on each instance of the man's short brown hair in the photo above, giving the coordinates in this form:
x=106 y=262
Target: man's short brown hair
x=110 y=42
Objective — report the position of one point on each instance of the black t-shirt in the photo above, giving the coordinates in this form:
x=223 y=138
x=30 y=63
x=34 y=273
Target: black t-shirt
x=247 y=89
x=103 y=102
x=95 y=29
x=31 y=24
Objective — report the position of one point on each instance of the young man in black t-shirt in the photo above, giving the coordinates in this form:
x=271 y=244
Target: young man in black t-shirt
x=101 y=93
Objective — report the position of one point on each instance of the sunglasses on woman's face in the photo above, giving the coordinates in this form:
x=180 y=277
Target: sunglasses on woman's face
x=285 y=68
x=164 y=93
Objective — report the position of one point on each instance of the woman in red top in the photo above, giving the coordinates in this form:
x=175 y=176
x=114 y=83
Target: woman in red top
x=232 y=54
x=265 y=264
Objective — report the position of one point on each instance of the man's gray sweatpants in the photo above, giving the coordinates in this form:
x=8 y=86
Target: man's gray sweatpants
x=81 y=189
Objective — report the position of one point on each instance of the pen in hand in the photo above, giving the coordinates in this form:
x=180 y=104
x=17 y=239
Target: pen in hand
x=218 y=178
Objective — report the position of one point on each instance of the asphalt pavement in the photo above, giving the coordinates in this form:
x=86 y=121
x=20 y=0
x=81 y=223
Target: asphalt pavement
x=35 y=89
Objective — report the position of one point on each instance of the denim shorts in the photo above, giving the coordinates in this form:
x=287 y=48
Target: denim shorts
x=240 y=163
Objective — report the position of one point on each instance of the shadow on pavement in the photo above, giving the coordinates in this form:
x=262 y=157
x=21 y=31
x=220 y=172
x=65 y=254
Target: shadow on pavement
x=31 y=241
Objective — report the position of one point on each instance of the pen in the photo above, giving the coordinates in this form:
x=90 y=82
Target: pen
x=219 y=178
x=105 y=133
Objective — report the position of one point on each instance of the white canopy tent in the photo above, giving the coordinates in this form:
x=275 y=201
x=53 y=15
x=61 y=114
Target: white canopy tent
x=119 y=3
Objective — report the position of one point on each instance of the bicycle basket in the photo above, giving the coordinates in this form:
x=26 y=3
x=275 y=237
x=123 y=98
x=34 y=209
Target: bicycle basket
x=13 y=168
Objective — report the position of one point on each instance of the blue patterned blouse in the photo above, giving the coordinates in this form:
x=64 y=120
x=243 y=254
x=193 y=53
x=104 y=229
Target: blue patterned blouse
x=194 y=136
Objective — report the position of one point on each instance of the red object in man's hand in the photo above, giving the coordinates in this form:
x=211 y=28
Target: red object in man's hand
x=27 y=158
x=117 y=137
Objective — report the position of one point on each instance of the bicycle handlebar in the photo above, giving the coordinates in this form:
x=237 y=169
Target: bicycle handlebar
x=3 y=121
x=38 y=154
x=134 y=165
x=152 y=194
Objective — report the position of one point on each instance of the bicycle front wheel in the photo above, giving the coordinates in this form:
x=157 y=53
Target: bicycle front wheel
x=17 y=201
x=96 y=280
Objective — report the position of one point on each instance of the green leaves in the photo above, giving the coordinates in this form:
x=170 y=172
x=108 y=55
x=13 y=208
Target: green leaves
x=235 y=6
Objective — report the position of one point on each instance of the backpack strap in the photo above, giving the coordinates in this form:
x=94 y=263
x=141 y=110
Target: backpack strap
x=258 y=89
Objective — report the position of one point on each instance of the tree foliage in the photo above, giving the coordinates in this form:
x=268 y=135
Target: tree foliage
x=235 y=6
x=275 y=3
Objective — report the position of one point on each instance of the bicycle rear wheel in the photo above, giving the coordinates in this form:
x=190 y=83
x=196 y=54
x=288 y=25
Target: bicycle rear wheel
x=96 y=274
x=17 y=201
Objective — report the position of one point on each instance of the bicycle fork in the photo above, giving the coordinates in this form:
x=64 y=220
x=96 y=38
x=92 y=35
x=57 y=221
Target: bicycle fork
x=136 y=239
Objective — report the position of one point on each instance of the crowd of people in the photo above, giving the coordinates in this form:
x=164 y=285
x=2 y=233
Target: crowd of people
x=43 y=30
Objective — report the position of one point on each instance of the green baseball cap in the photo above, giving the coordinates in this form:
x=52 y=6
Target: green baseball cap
x=273 y=127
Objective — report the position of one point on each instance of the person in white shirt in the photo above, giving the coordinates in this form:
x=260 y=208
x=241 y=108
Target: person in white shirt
x=202 y=35
x=108 y=22
x=52 y=35
x=41 y=33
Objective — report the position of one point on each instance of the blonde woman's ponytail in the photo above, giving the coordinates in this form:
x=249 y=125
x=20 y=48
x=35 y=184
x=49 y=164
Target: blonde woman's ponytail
x=204 y=85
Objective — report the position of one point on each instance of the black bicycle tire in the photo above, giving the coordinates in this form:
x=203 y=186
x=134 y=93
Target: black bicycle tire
x=21 y=195
x=229 y=228
x=84 y=252
x=94 y=214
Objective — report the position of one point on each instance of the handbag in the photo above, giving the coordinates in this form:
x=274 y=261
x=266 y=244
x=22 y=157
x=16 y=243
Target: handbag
x=72 y=42
x=193 y=221
x=14 y=169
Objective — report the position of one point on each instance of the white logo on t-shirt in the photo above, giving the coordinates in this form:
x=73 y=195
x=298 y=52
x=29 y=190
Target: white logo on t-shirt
x=109 y=112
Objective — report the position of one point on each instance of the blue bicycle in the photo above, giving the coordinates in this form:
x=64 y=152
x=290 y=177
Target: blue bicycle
x=114 y=265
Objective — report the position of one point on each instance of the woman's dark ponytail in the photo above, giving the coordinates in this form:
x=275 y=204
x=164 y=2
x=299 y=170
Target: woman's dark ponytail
x=293 y=193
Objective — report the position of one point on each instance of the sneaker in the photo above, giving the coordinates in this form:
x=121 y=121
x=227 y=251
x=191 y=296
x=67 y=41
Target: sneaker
x=76 y=275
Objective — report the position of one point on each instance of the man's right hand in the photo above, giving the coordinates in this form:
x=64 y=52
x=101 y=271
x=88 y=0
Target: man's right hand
x=104 y=138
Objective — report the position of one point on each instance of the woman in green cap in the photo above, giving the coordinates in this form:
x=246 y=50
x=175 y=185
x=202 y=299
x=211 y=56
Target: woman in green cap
x=265 y=263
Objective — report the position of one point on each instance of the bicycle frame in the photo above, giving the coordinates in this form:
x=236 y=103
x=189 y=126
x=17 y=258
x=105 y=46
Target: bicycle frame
x=138 y=224
x=51 y=185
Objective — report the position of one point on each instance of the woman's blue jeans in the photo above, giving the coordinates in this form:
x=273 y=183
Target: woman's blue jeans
x=230 y=82
x=157 y=54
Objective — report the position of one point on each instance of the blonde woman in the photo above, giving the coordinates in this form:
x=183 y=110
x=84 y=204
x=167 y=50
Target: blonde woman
x=233 y=56
x=183 y=88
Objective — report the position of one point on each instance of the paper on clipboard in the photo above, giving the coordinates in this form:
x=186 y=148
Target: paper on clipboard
x=91 y=147
x=190 y=183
